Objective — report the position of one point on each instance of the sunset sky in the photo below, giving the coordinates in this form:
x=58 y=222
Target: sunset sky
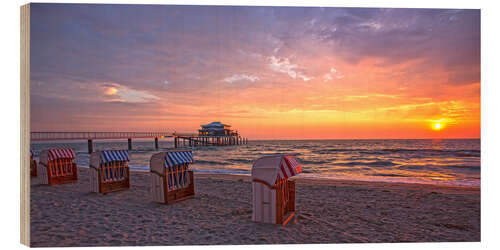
x=270 y=72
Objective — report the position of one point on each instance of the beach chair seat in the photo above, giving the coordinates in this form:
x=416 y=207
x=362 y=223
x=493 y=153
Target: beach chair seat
x=109 y=171
x=56 y=166
x=273 y=192
x=33 y=164
x=171 y=178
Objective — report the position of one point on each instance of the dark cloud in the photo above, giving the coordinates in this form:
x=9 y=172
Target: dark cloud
x=446 y=38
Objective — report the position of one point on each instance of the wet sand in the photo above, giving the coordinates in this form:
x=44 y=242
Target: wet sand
x=328 y=211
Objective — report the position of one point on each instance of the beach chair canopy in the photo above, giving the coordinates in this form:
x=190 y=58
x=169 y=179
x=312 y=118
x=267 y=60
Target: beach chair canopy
x=169 y=159
x=58 y=153
x=269 y=168
x=114 y=155
x=177 y=158
x=99 y=157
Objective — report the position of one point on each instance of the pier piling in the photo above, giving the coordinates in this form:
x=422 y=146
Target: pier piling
x=201 y=141
x=195 y=140
x=91 y=146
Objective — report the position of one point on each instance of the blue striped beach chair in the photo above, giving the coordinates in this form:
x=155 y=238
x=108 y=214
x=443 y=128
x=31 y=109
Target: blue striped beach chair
x=109 y=171
x=171 y=178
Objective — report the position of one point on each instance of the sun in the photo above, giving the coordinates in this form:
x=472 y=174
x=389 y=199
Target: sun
x=437 y=126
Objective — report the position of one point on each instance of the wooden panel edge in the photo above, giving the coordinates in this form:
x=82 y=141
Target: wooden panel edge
x=25 y=123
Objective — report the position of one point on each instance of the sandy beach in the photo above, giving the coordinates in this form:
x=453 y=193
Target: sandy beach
x=328 y=211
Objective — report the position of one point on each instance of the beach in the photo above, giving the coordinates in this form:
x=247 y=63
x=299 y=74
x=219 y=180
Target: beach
x=327 y=211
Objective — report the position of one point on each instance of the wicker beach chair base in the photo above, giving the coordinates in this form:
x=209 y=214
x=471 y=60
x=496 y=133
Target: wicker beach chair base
x=161 y=194
x=48 y=178
x=105 y=188
x=98 y=185
x=180 y=195
x=33 y=168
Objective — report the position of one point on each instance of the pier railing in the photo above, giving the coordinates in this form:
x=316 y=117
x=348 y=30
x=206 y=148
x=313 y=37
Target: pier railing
x=52 y=136
x=193 y=140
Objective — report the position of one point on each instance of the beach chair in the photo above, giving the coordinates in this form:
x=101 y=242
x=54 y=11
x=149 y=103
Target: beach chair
x=171 y=178
x=273 y=191
x=56 y=166
x=33 y=165
x=109 y=171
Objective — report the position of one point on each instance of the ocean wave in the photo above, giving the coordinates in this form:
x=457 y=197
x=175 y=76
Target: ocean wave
x=332 y=150
x=241 y=160
x=222 y=171
x=380 y=163
x=391 y=175
x=438 y=167
x=471 y=167
x=304 y=161
x=436 y=151
x=458 y=153
x=310 y=170
x=209 y=148
x=468 y=154
x=302 y=146
x=416 y=167
x=139 y=167
x=207 y=162
x=369 y=163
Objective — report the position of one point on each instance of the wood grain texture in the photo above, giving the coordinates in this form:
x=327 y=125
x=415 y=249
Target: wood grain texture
x=25 y=124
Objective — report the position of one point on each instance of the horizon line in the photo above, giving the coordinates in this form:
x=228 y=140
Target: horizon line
x=308 y=139
x=328 y=139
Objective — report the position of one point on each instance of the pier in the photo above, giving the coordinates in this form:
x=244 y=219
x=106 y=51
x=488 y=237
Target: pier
x=212 y=134
x=184 y=139
x=91 y=136
x=197 y=141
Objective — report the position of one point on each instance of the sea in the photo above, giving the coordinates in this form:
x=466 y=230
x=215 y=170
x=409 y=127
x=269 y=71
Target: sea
x=451 y=162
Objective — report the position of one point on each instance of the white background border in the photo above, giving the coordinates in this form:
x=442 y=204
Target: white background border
x=490 y=105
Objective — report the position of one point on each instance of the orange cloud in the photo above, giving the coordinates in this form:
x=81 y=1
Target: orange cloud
x=111 y=91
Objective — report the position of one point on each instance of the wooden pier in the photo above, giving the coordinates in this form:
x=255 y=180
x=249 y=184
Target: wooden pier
x=184 y=139
x=201 y=141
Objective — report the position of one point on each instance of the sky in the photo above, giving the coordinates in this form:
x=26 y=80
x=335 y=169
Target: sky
x=270 y=72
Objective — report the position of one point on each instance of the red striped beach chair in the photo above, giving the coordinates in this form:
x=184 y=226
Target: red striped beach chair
x=57 y=166
x=109 y=171
x=33 y=164
x=273 y=191
x=171 y=178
